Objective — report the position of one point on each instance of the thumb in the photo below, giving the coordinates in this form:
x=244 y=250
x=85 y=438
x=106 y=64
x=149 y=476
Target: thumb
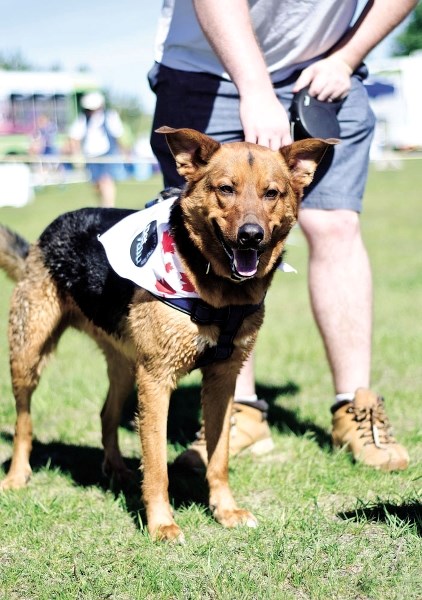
x=303 y=80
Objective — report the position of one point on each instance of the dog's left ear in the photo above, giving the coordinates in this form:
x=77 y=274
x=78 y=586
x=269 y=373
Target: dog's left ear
x=304 y=156
x=190 y=148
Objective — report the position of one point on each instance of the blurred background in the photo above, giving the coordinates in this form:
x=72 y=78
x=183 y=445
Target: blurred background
x=51 y=54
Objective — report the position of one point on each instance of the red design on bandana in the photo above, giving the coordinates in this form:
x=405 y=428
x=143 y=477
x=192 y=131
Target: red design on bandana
x=168 y=267
x=186 y=284
x=163 y=287
x=168 y=243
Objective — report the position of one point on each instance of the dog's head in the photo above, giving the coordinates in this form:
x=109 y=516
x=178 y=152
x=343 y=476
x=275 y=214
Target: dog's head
x=241 y=198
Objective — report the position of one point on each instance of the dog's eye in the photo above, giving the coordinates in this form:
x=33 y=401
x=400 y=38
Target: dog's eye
x=270 y=194
x=226 y=189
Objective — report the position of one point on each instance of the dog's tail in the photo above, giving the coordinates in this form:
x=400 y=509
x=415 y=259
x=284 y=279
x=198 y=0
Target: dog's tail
x=13 y=252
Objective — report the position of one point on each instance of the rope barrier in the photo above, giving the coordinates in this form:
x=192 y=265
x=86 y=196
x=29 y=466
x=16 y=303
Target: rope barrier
x=76 y=159
x=134 y=160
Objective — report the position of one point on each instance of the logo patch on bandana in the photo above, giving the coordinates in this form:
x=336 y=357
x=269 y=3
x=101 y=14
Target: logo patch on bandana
x=144 y=244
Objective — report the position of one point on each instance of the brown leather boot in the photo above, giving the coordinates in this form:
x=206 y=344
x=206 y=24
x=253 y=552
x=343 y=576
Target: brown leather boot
x=249 y=431
x=363 y=427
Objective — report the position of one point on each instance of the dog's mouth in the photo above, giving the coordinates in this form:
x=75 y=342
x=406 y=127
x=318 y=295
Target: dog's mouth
x=243 y=261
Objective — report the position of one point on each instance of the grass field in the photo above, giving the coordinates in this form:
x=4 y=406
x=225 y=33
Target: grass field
x=328 y=529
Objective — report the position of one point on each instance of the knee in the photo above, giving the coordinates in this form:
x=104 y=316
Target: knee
x=330 y=226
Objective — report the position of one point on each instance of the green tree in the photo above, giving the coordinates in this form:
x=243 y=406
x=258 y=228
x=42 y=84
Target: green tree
x=131 y=112
x=410 y=39
x=14 y=62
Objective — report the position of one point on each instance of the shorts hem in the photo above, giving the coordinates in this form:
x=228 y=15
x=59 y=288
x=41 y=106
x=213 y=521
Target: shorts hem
x=332 y=203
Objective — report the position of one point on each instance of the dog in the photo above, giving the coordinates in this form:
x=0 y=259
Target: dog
x=227 y=232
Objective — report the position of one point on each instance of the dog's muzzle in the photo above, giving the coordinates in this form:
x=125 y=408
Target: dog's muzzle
x=244 y=258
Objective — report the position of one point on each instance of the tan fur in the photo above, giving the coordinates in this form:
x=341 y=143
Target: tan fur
x=158 y=344
x=10 y=261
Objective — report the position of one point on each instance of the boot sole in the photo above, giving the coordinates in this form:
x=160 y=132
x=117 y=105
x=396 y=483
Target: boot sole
x=258 y=448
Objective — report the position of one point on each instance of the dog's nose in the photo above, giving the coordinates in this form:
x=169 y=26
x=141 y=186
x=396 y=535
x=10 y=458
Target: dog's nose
x=250 y=235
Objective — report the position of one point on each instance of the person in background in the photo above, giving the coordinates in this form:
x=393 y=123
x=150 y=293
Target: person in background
x=230 y=69
x=44 y=141
x=44 y=144
x=96 y=133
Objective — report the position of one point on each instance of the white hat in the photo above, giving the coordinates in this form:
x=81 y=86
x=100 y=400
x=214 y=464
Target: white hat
x=92 y=101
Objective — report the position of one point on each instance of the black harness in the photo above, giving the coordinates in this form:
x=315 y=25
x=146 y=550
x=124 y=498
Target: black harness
x=228 y=318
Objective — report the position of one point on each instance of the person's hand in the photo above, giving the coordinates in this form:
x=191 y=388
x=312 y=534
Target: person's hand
x=264 y=120
x=328 y=79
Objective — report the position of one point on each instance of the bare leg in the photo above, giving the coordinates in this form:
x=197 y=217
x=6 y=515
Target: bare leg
x=106 y=189
x=245 y=382
x=341 y=293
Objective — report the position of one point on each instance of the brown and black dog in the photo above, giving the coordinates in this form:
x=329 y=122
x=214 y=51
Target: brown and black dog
x=229 y=227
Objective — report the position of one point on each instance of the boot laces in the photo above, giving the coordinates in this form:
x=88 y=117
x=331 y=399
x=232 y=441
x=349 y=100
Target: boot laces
x=373 y=424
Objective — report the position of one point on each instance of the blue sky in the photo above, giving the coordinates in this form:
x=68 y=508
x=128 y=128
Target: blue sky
x=114 y=38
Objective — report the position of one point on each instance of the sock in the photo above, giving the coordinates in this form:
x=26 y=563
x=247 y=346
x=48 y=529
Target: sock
x=341 y=399
x=246 y=399
x=253 y=402
x=345 y=396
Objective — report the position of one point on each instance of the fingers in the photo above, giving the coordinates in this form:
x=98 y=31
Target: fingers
x=265 y=121
x=274 y=142
x=328 y=79
x=303 y=80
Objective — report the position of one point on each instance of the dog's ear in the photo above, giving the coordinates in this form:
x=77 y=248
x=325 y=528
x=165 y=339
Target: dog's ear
x=304 y=156
x=190 y=148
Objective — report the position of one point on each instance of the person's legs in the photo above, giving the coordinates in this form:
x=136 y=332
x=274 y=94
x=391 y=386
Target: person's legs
x=340 y=288
x=106 y=190
x=102 y=178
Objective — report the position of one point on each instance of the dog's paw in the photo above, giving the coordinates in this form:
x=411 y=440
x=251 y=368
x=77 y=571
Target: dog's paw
x=235 y=518
x=168 y=533
x=15 y=482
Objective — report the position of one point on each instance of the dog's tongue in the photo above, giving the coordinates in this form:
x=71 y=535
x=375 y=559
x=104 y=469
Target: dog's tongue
x=246 y=262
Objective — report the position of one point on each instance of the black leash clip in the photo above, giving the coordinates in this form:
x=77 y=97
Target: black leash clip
x=312 y=118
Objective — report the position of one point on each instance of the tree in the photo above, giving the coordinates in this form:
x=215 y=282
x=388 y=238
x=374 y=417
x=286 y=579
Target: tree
x=410 y=39
x=130 y=111
x=14 y=62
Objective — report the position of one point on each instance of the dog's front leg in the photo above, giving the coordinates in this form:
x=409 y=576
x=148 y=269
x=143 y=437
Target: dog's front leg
x=217 y=398
x=154 y=397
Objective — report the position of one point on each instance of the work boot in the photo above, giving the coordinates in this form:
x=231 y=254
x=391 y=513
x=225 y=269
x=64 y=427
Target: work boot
x=249 y=431
x=362 y=426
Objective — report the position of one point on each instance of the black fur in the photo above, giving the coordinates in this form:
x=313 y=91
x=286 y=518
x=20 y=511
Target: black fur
x=78 y=264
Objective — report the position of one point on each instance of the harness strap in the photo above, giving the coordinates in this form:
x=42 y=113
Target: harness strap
x=228 y=318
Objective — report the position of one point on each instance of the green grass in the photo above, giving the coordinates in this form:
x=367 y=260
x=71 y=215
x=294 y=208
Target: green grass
x=328 y=529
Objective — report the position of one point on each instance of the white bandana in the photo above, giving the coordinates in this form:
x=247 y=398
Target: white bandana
x=140 y=248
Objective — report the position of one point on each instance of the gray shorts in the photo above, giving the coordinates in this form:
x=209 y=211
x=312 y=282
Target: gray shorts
x=211 y=105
